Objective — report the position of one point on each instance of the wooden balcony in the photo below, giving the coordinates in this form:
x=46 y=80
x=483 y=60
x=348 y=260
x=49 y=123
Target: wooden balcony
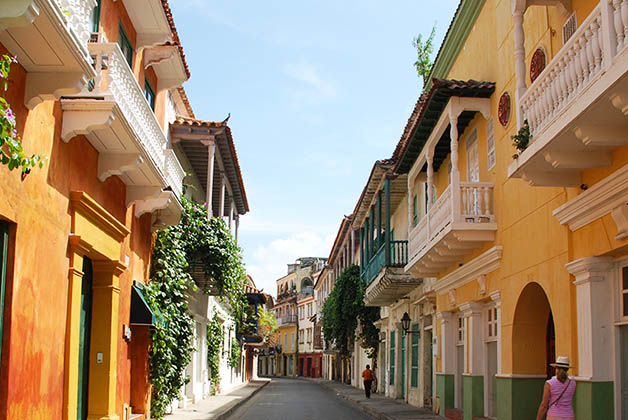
x=577 y=107
x=461 y=220
x=385 y=276
x=49 y=38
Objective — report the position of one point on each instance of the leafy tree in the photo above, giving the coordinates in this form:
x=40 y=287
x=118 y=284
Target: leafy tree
x=423 y=63
x=343 y=309
x=215 y=335
x=236 y=353
x=267 y=327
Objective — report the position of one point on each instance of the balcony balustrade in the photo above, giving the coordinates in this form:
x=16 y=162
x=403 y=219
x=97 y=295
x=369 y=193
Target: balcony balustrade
x=49 y=38
x=577 y=107
x=398 y=258
x=286 y=320
x=459 y=221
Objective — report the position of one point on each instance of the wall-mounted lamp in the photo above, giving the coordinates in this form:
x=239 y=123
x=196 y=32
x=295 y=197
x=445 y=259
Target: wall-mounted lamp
x=405 y=324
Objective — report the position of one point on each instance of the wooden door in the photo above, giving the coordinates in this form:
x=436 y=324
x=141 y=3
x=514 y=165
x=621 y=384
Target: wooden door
x=623 y=333
x=473 y=169
x=492 y=378
x=84 y=340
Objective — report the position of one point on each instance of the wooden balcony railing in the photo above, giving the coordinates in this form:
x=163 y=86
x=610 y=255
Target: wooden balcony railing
x=398 y=257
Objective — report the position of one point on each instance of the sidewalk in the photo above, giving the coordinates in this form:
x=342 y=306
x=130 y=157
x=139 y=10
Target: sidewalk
x=219 y=407
x=378 y=406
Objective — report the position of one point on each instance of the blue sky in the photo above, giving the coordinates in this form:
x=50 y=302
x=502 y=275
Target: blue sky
x=317 y=91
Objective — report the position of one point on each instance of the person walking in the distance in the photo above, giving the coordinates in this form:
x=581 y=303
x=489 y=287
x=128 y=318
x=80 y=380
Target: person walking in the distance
x=367 y=375
x=558 y=393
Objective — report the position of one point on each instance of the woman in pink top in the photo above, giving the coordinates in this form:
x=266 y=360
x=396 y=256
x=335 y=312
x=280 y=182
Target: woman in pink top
x=558 y=393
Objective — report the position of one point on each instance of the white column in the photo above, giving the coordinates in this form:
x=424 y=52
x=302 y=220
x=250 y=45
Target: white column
x=520 y=52
x=211 y=147
x=447 y=343
x=221 y=204
x=231 y=208
x=237 y=227
x=595 y=325
x=497 y=298
x=475 y=335
x=352 y=245
x=430 y=179
x=455 y=173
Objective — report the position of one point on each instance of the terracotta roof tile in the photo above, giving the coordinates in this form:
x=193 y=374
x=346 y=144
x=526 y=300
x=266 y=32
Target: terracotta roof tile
x=186 y=101
x=192 y=122
x=175 y=34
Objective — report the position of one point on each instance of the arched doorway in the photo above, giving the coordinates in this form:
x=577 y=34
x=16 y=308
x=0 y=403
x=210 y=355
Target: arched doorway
x=533 y=332
x=533 y=348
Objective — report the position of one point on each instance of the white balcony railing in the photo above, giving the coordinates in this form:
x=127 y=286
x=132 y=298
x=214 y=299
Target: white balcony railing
x=460 y=205
x=174 y=172
x=77 y=14
x=578 y=63
x=119 y=82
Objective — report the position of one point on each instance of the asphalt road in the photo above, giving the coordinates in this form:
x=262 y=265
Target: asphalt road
x=297 y=399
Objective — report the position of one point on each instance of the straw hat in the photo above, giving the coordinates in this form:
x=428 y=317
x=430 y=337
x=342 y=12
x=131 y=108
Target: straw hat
x=562 y=361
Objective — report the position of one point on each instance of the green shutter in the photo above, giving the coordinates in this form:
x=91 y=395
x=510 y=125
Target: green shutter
x=125 y=45
x=149 y=93
x=4 y=246
x=415 y=215
x=415 y=357
x=392 y=357
x=96 y=17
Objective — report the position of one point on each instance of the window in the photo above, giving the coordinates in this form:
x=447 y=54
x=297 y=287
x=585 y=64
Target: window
x=492 y=323
x=125 y=45
x=624 y=291
x=415 y=215
x=309 y=309
x=460 y=336
x=4 y=246
x=149 y=93
x=490 y=140
x=392 y=357
x=414 y=379
x=95 y=17
x=300 y=336
x=292 y=340
x=285 y=341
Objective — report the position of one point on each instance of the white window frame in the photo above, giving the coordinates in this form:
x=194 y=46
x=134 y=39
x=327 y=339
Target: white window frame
x=490 y=144
x=620 y=320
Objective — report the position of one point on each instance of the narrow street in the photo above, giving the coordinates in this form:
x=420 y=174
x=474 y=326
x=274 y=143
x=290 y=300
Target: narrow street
x=286 y=398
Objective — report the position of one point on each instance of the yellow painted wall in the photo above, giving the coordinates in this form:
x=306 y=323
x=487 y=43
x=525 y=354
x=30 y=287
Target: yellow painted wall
x=535 y=246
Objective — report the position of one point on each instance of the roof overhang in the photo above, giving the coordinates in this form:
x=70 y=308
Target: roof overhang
x=434 y=106
x=167 y=61
x=150 y=22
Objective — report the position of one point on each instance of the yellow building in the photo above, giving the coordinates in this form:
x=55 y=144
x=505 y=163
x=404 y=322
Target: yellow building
x=286 y=315
x=525 y=255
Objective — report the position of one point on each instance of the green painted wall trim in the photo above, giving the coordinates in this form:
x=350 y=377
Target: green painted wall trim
x=445 y=391
x=519 y=398
x=594 y=400
x=473 y=396
x=459 y=29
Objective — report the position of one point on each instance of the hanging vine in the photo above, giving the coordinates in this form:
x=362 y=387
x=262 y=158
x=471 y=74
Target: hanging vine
x=215 y=336
x=171 y=348
x=236 y=353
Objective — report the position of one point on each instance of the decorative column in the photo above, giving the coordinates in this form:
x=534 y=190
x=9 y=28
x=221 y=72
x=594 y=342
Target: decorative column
x=211 y=148
x=237 y=227
x=454 y=183
x=379 y=221
x=520 y=53
x=445 y=377
x=387 y=232
x=221 y=204
x=595 y=334
x=430 y=179
x=361 y=251
x=71 y=370
x=473 y=378
x=103 y=363
x=352 y=245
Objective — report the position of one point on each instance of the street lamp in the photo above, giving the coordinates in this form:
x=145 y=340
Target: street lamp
x=405 y=324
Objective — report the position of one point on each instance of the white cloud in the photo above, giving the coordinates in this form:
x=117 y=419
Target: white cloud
x=313 y=89
x=269 y=261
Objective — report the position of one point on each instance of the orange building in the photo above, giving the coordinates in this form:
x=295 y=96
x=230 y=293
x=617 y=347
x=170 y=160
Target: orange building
x=93 y=91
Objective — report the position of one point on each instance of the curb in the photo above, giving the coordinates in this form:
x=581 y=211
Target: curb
x=224 y=415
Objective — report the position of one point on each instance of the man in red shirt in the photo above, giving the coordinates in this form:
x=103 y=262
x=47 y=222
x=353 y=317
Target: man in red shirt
x=367 y=375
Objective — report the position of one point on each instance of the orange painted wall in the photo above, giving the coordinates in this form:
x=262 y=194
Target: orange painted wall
x=31 y=384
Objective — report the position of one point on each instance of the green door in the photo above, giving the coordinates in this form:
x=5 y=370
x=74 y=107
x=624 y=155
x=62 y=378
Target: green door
x=392 y=358
x=403 y=364
x=4 y=244
x=84 y=339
